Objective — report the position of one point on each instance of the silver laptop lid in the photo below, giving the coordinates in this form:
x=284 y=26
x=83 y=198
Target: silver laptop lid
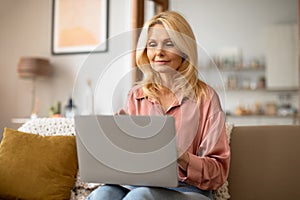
x=124 y=149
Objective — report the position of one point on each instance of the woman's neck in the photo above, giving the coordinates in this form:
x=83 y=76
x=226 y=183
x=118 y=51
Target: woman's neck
x=167 y=81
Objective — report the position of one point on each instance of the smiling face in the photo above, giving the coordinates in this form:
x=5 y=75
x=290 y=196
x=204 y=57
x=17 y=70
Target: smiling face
x=162 y=53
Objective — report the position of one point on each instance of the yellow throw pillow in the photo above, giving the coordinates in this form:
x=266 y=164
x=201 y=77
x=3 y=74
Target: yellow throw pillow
x=37 y=167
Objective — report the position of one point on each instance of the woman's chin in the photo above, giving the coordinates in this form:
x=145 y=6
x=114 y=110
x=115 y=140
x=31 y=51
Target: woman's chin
x=163 y=69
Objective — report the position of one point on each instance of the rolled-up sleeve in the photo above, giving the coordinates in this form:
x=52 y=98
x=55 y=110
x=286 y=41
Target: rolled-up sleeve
x=209 y=162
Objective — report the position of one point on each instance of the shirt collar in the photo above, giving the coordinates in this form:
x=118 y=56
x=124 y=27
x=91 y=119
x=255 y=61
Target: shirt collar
x=141 y=95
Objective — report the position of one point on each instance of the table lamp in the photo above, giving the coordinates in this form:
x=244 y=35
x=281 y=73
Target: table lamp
x=33 y=68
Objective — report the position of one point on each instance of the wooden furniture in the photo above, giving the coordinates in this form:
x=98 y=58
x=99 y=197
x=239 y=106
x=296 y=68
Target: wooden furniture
x=299 y=61
x=138 y=13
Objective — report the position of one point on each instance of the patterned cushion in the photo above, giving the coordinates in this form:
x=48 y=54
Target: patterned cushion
x=49 y=126
x=223 y=193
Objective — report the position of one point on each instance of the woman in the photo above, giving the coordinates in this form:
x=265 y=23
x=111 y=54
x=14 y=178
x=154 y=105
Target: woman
x=167 y=56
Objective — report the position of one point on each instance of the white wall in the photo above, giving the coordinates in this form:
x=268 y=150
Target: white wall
x=239 y=23
x=235 y=22
x=26 y=31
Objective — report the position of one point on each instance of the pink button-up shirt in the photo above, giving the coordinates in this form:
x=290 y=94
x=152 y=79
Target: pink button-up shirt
x=200 y=130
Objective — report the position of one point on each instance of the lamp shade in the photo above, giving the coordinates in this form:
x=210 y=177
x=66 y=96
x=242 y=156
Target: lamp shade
x=31 y=67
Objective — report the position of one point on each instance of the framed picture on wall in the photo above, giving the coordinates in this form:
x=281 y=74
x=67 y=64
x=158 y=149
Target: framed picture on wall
x=79 y=26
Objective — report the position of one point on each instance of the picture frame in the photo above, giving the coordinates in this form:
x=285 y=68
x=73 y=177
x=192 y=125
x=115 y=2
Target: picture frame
x=79 y=26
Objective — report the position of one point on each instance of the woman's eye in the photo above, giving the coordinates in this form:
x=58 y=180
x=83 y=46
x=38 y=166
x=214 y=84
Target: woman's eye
x=151 y=44
x=169 y=44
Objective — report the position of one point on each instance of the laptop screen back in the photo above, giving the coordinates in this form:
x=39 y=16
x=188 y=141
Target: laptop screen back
x=124 y=149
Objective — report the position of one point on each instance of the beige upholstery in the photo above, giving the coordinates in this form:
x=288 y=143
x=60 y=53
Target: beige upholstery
x=265 y=163
x=265 y=160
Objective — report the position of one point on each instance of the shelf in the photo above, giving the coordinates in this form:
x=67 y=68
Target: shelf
x=262 y=116
x=262 y=120
x=260 y=69
x=246 y=90
x=261 y=90
x=282 y=90
x=235 y=69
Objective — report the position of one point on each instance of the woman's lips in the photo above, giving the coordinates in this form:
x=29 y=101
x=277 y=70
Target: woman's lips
x=161 y=62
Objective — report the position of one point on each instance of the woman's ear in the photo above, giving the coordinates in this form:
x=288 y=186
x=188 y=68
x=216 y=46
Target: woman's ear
x=184 y=57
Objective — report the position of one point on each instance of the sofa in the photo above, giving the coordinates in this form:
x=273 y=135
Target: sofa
x=265 y=160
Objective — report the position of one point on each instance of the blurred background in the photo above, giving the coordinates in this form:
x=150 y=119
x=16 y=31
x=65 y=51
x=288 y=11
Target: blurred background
x=249 y=54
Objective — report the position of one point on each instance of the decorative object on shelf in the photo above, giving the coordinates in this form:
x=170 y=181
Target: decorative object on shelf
x=55 y=111
x=261 y=83
x=257 y=108
x=33 y=68
x=231 y=57
x=79 y=26
x=70 y=109
x=285 y=107
x=232 y=82
x=271 y=108
x=88 y=101
x=243 y=110
x=238 y=73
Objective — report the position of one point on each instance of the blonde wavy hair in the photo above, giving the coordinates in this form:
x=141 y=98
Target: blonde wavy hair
x=186 y=81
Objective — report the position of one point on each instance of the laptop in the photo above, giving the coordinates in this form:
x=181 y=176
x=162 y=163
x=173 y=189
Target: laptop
x=127 y=150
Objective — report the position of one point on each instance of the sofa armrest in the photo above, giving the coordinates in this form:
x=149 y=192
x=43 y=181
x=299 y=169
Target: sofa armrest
x=265 y=162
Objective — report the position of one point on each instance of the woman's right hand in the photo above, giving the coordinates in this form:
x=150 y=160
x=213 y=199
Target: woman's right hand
x=121 y=112
x=183 y=159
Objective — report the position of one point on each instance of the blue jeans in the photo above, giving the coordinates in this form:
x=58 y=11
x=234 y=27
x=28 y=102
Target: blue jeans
x=117 y=192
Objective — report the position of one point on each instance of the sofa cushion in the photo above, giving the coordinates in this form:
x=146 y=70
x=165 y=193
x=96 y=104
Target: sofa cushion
x=265 y=162
x=36 y=167
x=59 y=126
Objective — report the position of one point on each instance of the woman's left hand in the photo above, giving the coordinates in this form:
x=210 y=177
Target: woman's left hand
x=183 y=160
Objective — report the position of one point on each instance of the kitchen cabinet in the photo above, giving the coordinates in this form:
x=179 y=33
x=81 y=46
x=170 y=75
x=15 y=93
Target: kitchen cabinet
x=282 y=72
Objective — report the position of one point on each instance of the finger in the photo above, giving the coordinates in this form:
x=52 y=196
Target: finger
x=122 y=112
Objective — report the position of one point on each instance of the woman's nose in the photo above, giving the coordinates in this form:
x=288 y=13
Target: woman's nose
x=159 y=50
